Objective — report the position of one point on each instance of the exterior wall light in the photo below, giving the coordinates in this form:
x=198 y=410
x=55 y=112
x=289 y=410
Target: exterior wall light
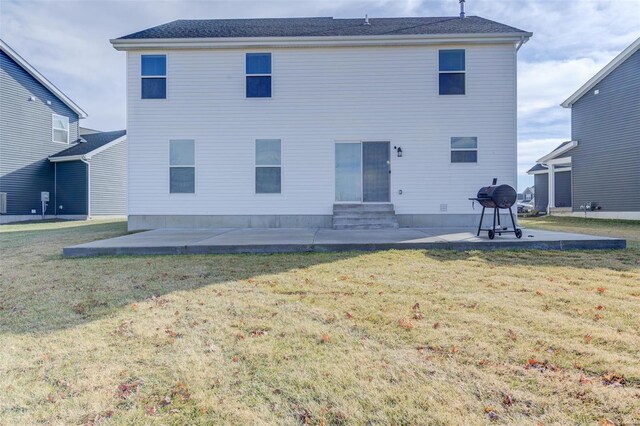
x=398 y=150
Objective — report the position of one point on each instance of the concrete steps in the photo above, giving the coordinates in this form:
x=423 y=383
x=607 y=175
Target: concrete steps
x=364 y=216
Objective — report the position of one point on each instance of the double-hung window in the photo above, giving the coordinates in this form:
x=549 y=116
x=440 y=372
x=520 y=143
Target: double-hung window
x=60 y=128
x=451 y=64
x=153 y=70
x=268 y=166
x=464 y=150
x=182 y=166
x=258 y=69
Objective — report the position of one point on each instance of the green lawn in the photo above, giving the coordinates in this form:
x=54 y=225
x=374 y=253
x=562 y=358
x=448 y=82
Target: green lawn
x=394 y=337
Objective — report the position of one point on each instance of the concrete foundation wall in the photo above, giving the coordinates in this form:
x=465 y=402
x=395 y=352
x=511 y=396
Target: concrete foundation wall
x=11 y=218
x=145 y=222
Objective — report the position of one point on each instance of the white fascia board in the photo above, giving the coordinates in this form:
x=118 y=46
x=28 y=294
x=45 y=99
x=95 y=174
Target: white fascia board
x=46 y=83
x=321 y=41
x=66 y=158
x=560 y=161
x=556 y=152
x=602 y=73
x=538 y=172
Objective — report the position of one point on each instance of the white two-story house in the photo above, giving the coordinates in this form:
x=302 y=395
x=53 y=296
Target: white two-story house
x=282 y=122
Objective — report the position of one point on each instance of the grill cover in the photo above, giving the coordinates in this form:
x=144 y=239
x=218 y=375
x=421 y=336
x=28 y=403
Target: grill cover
x=500 y=196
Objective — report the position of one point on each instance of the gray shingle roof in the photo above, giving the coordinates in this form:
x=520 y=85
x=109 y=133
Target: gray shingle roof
x=93 y=142
x=536 y=168
x=310 y=27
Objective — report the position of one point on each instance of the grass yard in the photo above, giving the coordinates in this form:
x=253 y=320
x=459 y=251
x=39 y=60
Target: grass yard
x=396 y=337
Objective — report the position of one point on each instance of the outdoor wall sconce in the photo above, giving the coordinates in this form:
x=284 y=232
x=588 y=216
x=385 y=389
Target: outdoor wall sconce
x=398 y=150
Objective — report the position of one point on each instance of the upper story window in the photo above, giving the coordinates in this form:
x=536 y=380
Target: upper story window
x=153 y=71
x=452 y=71
x=268 y=166
x=258 y=68
x=182 y=166
x=464 y=150
x=60 y=128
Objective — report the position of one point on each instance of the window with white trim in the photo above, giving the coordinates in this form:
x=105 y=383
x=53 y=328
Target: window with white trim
x=464 y=149
x=182 y=166
x=153 y=72
x=258 y=69
x=60 y=128
x=451 y=65
x=268 y=166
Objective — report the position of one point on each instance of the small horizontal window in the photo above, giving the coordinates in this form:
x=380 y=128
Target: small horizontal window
x=258 y=78
x=154 y=76
x=452 y=76
x=464 y=150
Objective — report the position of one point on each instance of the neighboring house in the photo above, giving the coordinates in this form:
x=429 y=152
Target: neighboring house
x=527 y=196
x=284 y=122
x=559 y=182
x=37 y=121
x=599 y=169
x=91 y=176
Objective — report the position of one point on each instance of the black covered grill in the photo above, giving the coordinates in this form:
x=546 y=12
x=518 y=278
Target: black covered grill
x=497 y=197
x=500 y=196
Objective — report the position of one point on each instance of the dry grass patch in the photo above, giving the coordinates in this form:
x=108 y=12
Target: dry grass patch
x=395 y=337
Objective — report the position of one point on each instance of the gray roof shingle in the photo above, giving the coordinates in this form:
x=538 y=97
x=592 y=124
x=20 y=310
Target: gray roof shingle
x=536 y=168
x=316 y=27
x=93 y=142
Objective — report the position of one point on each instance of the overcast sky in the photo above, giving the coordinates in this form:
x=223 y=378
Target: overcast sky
x=68 y=41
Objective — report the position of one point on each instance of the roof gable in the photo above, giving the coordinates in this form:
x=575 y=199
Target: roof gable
x=41 y=79
x=608 y=69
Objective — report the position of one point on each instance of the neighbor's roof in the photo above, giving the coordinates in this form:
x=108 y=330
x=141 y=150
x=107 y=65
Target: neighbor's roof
x=560 y=149
x=93 y=141
x=537 y=168
x=608 y=69
x=324 y=26
x=4 y=47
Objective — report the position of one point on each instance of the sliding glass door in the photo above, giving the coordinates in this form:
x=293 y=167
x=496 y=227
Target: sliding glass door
x=362 y=172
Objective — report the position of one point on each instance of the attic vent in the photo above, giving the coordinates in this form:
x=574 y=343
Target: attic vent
x=366 y=20
x=462 y=9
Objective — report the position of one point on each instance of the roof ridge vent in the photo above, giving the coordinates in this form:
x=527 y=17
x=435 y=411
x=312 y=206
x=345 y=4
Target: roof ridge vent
x=366 y=20
x=462 y=14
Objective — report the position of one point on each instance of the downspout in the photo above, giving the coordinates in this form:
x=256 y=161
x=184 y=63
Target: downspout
x=84 y=160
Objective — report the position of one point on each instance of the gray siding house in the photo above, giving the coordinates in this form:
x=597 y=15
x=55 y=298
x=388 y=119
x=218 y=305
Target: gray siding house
x=597 y=173
x=37 y=123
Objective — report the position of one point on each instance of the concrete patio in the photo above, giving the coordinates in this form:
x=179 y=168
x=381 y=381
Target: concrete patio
x=293 y=240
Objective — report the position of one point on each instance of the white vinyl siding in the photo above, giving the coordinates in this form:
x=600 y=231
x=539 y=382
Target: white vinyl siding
x=324 y=95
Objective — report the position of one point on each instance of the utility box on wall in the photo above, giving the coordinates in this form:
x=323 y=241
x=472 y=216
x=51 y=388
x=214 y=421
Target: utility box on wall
x=44 y=196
